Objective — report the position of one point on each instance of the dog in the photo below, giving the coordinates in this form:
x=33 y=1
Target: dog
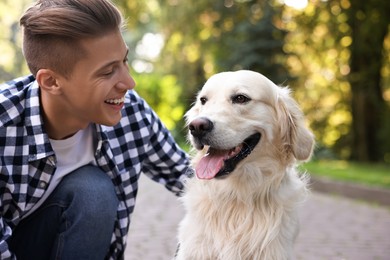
x=248 y=135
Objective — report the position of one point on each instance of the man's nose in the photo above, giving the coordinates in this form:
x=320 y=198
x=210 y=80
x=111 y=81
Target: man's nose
x=126 y=81
x=130 y=83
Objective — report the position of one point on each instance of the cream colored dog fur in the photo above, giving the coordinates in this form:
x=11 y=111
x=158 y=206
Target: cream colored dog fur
x=249 y=210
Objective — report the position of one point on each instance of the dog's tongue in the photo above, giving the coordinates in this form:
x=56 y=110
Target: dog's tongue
x=210 y=164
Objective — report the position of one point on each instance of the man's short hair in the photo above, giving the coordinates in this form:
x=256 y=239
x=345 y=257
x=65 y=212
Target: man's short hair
x=52 y=30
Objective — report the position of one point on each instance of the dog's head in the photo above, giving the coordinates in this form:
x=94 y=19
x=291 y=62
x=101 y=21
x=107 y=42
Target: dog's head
x=243 y=115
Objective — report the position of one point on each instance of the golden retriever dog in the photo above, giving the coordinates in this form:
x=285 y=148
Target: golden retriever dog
x=249 y=135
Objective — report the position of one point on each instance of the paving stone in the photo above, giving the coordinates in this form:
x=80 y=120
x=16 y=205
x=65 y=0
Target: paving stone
x=332 y=227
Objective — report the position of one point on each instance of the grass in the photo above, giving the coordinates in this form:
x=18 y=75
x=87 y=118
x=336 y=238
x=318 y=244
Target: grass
x=377 y=175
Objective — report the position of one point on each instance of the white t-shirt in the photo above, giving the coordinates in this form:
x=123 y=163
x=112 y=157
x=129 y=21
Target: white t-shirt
x=71 y=154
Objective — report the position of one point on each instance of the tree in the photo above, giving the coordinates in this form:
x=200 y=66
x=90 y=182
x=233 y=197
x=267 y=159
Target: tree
x=317 y=47
x=256 y=43
x=336 y=51
x=331 y=54
x=206 y=37
x=369 y=22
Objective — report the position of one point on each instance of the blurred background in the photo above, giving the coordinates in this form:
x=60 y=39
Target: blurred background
x=333 y=54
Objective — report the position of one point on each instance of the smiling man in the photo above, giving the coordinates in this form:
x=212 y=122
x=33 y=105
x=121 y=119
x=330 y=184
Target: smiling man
x=74 y=137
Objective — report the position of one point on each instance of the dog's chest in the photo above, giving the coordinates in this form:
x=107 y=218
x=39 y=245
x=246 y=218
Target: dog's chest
x=222 y=212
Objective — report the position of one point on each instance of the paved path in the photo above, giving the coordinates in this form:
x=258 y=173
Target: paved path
x=332 y=227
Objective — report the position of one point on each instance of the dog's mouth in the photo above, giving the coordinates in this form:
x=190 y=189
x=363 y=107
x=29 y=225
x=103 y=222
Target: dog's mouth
x=220 y=163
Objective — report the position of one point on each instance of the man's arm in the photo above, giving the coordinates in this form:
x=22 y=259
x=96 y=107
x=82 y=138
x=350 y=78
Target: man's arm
x=5 y=234
x=166 y=163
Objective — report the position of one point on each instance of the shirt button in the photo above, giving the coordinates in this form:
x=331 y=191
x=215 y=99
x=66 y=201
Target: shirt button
x=52 y=160
x=42 y=184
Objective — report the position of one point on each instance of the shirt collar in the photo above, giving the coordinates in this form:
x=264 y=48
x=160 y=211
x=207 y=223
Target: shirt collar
x=37 y=138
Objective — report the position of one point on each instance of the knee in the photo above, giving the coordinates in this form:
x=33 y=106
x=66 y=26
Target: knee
x=92 y=191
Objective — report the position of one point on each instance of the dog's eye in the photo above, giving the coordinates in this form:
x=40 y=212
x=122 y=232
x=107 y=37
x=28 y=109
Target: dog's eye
x=240 y=99
x=203 y=100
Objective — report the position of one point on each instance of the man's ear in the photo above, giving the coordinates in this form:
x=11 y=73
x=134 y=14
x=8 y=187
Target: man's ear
x=48 y=81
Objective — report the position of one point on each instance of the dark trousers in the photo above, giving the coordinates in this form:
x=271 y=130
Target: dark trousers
x=75 y=222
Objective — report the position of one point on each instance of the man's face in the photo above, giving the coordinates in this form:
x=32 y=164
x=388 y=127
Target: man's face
x=94 y=92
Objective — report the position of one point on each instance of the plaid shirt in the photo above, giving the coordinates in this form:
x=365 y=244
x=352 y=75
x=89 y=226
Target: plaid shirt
x=138 y=143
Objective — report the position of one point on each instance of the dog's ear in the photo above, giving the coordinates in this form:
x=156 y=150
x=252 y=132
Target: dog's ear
x=296 y=137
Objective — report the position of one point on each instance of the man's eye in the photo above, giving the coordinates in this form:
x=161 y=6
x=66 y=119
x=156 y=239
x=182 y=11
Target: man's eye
x=240 y=99
x=108 y=73
x=203 y=100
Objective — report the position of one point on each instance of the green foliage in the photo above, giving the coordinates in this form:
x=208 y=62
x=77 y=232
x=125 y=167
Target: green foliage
x=308 y=49
x=162 y=93
x=207 y=37
x=255 y=43
x=317 y=47
x=12 y=63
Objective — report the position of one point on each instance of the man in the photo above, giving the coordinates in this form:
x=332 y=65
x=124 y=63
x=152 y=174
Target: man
x=74 y=138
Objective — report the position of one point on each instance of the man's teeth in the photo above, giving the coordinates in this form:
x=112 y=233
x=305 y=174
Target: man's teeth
x=116 y=101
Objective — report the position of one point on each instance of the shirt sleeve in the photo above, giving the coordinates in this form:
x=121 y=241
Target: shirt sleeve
x=6 y=232
x=166 y=162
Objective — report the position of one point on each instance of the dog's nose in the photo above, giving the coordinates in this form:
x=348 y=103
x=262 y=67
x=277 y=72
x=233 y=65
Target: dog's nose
x=200 y=126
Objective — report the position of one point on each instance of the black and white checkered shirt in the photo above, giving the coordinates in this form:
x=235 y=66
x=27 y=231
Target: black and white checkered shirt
x=138 y=143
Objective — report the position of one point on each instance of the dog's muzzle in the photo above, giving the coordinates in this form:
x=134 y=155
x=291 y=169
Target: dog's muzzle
x=218 y=163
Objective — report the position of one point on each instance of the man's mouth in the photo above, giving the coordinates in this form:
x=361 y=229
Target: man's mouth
x=219 y=163
x=115 y=101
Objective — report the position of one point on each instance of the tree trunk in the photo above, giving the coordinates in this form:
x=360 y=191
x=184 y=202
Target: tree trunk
x=369 y=24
